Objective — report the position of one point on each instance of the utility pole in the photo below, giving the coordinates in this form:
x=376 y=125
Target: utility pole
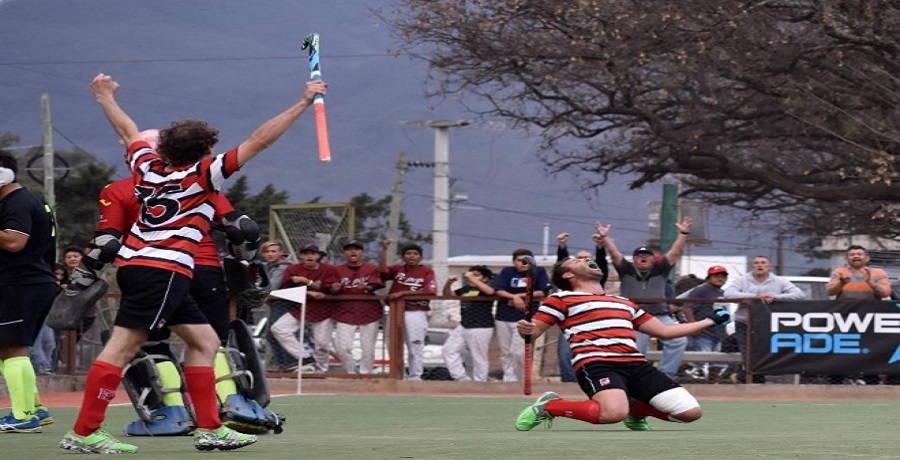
x=668 y=216
x=47 y=143
x=441 y=229
x=396 y=201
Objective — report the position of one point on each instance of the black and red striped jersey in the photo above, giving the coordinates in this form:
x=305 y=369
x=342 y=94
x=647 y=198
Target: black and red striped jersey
x=176 y=208
x=598 y=327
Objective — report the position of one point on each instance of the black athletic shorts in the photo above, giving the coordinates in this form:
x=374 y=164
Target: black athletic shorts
x=23 y=308
x=640 y=381
x=209 y=291
x=153 y=298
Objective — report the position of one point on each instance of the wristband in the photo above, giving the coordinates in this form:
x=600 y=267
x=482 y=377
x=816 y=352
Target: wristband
x=684 y=233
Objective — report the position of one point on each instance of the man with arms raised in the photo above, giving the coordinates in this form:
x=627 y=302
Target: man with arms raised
x=156 y=264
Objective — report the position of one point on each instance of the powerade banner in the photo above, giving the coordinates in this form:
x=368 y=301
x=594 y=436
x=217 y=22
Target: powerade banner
x=825 y=337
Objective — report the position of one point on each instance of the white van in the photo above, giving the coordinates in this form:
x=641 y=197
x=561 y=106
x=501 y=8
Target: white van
x=812 y=286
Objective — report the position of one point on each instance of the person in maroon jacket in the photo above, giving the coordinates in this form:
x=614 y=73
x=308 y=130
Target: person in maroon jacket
x=320 y=279
x=357 y=277
x=410 y=278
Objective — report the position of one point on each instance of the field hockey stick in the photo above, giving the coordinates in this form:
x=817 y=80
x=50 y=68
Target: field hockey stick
x=530 y=277
x=315 y=73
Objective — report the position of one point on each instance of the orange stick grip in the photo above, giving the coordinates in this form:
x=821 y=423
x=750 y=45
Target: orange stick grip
x=322 y=131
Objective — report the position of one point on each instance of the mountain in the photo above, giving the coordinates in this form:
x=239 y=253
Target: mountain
x=235 y=63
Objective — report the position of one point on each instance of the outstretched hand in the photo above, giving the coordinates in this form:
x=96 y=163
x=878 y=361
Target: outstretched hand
x=314 y=87
x=103 y=85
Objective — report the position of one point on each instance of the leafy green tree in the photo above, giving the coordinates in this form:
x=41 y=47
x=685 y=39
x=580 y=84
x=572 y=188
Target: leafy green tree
x=255 y=206
x=784 y=106
x=372 y=218
x=80 y=177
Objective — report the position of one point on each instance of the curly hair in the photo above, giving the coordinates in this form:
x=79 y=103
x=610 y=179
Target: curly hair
x=185 y=142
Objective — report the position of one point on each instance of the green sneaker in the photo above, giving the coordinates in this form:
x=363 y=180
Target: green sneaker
x=535 y=414
x=223 y=438
x=98 y=442
x=636 y=423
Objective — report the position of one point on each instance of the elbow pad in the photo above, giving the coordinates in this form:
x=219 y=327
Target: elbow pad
x=242 y=233
x=102 y=250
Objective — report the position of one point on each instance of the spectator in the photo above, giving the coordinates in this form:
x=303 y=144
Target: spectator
x=476 y=326
x=27 y=288
x=320 y=279
x=357 y=277
x=510 y=284
x=43 y=352
x=410 y=278
x=709 y=339
x=276 y=262
x=647 y=277
x=761 y=284
x=75 y=271
x=563 y=350
x=858 y=281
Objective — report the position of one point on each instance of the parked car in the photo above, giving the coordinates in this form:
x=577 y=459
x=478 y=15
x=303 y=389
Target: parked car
x=812 y=286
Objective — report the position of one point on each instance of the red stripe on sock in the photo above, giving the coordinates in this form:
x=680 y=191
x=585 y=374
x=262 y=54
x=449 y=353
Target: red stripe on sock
x=99 y=389
x=586 y=411
x=641 y=409
x=201 y=385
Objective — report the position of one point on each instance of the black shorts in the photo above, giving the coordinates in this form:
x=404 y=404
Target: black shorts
x=640 y=381
x=153 y=298
x=23 y=308
x=209 y=291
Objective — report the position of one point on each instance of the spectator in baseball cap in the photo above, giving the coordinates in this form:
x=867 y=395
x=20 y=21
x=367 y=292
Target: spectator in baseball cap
x=353 y=244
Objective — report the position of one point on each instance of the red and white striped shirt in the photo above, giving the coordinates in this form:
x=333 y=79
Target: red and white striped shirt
x=176 y=208
x=599 y=328
x=119 y=209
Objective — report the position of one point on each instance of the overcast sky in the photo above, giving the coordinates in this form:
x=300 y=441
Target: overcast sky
x=235 y=63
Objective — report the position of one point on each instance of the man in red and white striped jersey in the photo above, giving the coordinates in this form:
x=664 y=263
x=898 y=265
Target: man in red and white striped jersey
x=619 y=381
x=156 y=263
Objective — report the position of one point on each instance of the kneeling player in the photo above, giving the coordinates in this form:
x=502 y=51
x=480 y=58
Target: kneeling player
x=619 y=381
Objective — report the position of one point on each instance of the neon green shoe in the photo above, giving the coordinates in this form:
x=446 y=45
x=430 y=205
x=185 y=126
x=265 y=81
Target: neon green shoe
x=636 y=423
x=98 y=442
x=223 y=438
x=535 y=414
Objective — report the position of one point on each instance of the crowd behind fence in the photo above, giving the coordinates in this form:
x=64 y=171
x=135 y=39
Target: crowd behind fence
x=76 y=357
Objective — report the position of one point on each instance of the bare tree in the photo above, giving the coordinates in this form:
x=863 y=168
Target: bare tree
x=786 y=106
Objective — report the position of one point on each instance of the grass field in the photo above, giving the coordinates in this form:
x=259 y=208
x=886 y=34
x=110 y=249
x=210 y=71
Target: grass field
x=415 y=427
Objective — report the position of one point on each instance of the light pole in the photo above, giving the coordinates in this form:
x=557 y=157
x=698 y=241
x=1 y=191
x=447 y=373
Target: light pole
x=441 y=229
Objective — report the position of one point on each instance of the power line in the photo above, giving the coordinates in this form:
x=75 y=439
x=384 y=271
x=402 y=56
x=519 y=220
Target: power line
x=182 y=60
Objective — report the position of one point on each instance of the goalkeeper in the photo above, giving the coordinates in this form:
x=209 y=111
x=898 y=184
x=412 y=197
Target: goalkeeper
x=155 y=369
x=619 y=381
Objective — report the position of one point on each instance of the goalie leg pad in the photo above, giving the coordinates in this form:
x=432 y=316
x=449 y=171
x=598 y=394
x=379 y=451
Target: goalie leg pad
x=246 y=364
x=145 y=389
x=247 y=416
x=164 y=421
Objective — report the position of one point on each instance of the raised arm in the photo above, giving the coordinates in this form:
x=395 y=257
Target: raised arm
x=383 y=255
x=270 y=131
x=608 y=243
x=684 y=229
x=562 y=249
x=600 y=258
x=104 y=89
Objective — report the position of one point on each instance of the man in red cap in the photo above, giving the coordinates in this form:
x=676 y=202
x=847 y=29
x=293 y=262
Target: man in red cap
x=709 y=339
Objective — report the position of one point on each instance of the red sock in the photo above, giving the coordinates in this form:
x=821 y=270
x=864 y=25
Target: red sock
x=586 y=411
x=99 y=389
x=201 y=386
x=641 y=409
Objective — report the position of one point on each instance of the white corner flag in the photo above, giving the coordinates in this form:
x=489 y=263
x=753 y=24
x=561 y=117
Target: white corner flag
x=297 y=295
